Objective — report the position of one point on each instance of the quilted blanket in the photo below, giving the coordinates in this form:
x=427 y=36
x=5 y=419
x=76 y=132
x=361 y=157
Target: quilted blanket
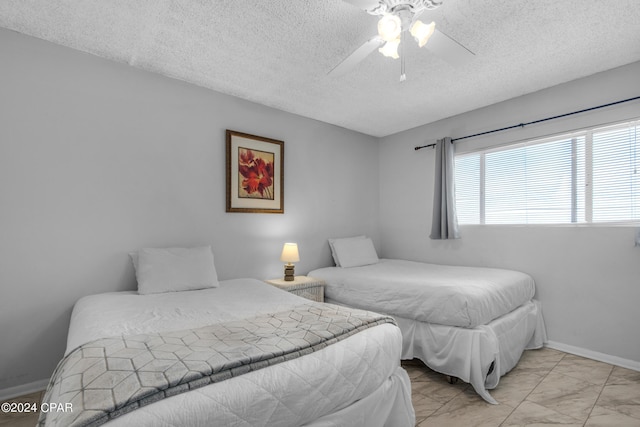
x=109 y=377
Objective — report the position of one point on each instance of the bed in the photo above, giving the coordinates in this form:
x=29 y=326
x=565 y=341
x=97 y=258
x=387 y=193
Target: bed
x=465 y=322
x=353 y=380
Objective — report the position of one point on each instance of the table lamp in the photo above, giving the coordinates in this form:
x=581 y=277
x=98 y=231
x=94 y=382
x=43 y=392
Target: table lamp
x=289 y=255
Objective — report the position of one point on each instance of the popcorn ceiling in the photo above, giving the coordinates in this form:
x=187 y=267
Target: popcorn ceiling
x=278 y=52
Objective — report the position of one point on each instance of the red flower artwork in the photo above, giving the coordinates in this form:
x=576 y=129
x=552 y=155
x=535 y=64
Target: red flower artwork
x=255 y=170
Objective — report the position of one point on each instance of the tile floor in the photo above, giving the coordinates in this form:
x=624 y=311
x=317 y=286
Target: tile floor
x=23 y=419
x=547 y=388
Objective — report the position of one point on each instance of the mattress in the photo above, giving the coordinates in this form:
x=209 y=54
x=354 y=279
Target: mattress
x=356 y=381
x=438 y=294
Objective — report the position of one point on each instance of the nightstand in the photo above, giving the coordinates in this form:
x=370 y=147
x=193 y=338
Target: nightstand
x=303 y=286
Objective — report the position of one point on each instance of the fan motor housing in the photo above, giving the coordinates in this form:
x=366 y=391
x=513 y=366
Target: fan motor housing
x=392 y=6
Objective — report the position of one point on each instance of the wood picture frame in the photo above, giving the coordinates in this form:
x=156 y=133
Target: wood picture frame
x=255 y=173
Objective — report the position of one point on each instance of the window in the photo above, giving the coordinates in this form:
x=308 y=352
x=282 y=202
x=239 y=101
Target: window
x=590 y=176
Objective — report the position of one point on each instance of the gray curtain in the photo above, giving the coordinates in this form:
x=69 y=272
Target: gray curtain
x=445 y=222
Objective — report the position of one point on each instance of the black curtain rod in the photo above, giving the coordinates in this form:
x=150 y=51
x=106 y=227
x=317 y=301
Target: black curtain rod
x=521 y=125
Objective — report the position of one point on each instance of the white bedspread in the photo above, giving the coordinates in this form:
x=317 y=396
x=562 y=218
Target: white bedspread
x=439 y=294
x=357 y=381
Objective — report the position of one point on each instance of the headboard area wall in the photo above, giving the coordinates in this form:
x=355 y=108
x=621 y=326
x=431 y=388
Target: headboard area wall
x=98 y=159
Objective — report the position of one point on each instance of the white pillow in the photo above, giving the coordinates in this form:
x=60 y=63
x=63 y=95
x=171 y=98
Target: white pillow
x=333 y=251
x=174 y=269
x=355 y=252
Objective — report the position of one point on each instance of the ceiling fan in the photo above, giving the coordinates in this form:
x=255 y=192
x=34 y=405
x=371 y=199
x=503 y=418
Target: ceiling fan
x=398 y=18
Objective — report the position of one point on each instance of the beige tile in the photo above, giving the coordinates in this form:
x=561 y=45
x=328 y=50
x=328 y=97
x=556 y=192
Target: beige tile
x=420 y=388
x=623 y=376
x=545 y=352
x=22 y=419
x=514 y=387
x=427 y=382
x=424 y=406
x=546 y=388
x=439 y=389
x=584 y=369
x=532 y=414
x=8 y=420
x=416 y=373
x=622 y=398
x=603 y=417
x=468 y=409
x=539 y=362
x=566 y=395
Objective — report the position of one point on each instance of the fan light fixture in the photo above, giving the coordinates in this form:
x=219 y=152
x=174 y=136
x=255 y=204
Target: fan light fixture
x=390 y=49
x=422 y=32
x=395 y=18
x=391 y=26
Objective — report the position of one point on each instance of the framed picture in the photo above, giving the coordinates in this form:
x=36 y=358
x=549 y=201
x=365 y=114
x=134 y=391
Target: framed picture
x=255 y=173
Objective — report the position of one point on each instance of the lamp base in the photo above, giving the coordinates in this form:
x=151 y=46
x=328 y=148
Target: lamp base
x=288 y=272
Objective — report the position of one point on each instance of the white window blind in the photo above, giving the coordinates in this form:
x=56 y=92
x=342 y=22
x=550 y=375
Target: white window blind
x=616 y=180
x=586 y=177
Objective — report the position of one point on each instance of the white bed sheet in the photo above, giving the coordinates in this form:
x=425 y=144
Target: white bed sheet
x=357 y=381
x=439 y=294
x=467 y=353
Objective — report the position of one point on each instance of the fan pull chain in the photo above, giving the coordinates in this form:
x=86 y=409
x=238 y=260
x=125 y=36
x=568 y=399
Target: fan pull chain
x=403 y=76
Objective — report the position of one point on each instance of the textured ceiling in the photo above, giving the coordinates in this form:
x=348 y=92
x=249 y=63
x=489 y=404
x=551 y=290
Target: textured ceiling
x=278 y=52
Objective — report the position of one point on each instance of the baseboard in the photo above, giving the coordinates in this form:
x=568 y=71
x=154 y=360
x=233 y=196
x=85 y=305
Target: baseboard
x=21 y=390
x=590 y=354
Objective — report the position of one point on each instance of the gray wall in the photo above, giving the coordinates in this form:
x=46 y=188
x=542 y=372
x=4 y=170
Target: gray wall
x=98 y=159
x=588 y=278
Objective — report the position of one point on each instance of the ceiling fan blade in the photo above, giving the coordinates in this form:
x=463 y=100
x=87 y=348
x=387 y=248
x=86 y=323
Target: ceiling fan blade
x=448 y=49
x=364 y=4
x=358 y=55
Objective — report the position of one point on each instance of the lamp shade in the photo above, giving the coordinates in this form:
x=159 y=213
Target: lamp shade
x=290 y=253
